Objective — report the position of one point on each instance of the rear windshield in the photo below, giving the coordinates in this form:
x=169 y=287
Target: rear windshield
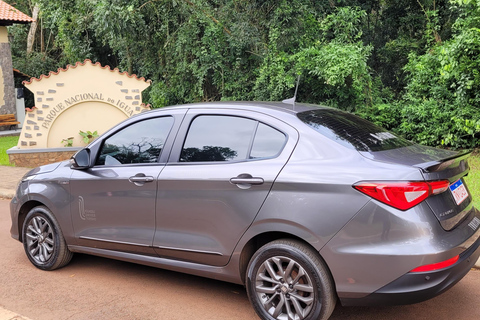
x=351 y=131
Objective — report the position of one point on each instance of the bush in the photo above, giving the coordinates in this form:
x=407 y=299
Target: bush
x=428 y=122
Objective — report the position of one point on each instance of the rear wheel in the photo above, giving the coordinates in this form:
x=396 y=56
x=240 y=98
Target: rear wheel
x=43 y=240
x=287 y=280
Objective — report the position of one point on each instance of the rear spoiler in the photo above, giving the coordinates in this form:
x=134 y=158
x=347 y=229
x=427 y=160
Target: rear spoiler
x=453 y=167
x=442 y=164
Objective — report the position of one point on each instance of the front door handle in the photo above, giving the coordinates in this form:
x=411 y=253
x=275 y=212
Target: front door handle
x=245 y=180
x=139 y=179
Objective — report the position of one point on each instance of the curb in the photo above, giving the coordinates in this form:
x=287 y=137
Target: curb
x=9 y=315
x=6 y=193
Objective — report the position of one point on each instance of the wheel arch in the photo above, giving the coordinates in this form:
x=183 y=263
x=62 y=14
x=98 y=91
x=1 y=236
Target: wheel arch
x=259 y=240
x=22 y=214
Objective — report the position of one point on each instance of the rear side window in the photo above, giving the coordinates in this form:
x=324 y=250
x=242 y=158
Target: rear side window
x=268 y=142
x=230 y=138
x=351 y=131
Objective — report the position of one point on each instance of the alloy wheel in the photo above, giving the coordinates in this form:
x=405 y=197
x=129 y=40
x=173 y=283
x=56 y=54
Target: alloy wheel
x=284 y=288
x=40 y=239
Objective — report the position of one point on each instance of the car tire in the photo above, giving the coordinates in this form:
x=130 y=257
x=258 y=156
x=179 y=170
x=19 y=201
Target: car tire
x=43 y=240
x=286 y=279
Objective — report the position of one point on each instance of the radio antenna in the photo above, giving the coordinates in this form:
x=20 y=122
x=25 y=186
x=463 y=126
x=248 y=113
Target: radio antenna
x=294 y=99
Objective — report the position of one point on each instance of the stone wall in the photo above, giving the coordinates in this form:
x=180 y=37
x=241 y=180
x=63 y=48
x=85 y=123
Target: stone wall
x=35 y=159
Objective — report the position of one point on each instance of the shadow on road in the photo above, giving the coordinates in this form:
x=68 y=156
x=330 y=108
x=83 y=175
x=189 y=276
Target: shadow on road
x=458 y=303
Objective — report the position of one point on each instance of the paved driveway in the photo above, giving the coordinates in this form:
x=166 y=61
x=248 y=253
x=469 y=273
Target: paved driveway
x=98 y=288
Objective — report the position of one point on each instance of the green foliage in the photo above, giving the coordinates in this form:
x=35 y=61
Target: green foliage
x=68 y=142
x=410 y=65
x=158 y=94
x=334 y=64
x=343 y=72
x=440 y=106
x=5 y=144
x=473 y=178
x=428 y=122
x=385 y=115
x=88 y=136
x=344 y=25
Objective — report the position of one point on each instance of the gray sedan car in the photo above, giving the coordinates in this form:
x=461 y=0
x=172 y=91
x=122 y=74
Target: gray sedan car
x=304 y=205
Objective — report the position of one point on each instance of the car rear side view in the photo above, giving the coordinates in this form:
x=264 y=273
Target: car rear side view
x=304 y=205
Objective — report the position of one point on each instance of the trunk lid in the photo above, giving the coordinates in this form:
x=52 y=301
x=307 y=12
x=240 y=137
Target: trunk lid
x=452 y=206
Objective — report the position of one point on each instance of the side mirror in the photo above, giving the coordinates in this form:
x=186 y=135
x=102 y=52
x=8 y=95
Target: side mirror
x=81 y=159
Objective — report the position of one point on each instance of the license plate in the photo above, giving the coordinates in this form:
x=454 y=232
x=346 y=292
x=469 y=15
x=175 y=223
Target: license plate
x=459 y=191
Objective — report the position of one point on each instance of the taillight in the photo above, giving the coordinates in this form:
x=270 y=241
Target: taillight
x=402 y=195
x=437 y=266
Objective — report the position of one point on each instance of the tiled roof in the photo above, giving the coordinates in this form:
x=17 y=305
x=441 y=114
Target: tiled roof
x=20 y=73
x=97 y=64
x=10 y=14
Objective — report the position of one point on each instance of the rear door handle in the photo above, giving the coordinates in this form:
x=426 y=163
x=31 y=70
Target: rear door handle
x=140 y=178
x=245 y=180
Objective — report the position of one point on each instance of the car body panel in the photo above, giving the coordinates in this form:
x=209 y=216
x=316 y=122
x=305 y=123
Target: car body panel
x=414 y=155
x=389 y=243
x=126 y=221
x=50 y=186
x=201 y=214
x=420 y=286
x=435 y=164
x=103 y=211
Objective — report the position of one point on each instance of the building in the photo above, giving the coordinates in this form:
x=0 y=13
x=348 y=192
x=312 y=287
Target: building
x=8 y=16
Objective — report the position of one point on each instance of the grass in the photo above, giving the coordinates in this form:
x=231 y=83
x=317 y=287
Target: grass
x=473 y=178
x=5 y=144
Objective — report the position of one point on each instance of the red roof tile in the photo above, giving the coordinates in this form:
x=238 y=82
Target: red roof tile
x=20 y=73
x=96 y=64
x=10 y=14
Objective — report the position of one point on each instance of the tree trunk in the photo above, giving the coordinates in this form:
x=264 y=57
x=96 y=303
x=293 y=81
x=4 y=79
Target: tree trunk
x=129 y=62
x=33 y=29
x=42 y=43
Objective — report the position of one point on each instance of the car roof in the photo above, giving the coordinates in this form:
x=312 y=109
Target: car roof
x=250 y=105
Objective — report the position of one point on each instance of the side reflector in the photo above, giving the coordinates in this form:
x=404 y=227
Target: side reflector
x=402 y=195
x=436 y=266
x=438 y=187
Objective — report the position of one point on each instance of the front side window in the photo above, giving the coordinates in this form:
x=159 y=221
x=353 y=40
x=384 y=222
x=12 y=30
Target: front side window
x=229 y=138
x=141 y=142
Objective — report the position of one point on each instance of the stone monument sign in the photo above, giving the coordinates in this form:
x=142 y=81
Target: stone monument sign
x=84 y=97
x=81 y=97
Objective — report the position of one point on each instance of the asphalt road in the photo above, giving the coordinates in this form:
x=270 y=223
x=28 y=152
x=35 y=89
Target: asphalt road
x=97 y=288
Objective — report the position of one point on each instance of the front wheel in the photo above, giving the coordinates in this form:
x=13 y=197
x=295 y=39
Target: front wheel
x=287 y=280
x=43 y=240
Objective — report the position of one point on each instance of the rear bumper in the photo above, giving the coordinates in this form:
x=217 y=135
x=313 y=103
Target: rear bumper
x=421 y=286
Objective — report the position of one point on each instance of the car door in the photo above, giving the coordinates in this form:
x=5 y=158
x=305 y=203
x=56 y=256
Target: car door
x=114 y=201
x=221 y=169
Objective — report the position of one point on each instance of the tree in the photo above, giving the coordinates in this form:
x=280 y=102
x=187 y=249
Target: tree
x=396 y=62
x=33 y=29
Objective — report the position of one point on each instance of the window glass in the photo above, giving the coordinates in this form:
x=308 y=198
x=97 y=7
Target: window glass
x=218 y=138
x=351 y=131
x=268 y=142
x=140 y=142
